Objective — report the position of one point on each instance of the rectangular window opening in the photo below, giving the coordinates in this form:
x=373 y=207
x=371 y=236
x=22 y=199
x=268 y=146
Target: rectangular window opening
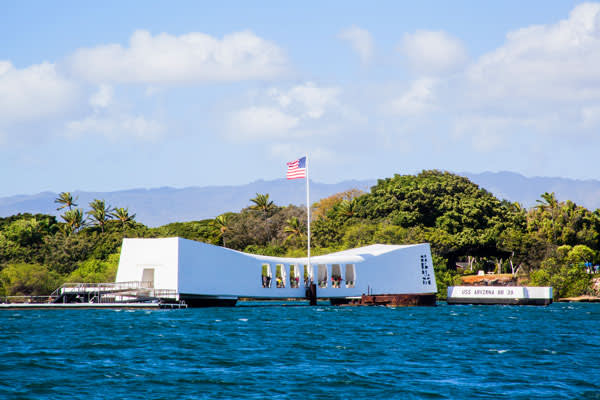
x=280 y=276
x=336 y=276
x=350 y=275
x=322 y=276
x=294 y=276
x=266 y=276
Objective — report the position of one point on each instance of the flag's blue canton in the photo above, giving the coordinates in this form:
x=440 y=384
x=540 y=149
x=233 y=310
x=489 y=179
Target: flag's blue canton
x=302 y=162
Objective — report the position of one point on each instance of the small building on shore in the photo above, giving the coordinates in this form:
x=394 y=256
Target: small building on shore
x=205 y=275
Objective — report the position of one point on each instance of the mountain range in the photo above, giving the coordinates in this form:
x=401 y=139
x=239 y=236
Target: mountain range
x=159 y=206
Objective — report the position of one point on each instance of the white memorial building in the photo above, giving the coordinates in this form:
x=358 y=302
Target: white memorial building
x=205 y=275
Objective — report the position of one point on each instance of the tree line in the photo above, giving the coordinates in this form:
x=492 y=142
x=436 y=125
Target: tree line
x=554 y=243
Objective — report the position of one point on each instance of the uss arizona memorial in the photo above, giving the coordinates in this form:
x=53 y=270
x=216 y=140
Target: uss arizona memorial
x=203 y=275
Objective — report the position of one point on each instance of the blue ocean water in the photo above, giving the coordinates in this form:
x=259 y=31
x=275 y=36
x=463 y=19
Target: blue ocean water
x=322 y=352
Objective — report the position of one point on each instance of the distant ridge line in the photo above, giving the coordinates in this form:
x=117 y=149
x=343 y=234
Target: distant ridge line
x=166 y=204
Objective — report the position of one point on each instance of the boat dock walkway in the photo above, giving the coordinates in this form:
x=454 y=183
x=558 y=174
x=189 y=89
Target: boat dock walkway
x=87 y=306
x=120 y=295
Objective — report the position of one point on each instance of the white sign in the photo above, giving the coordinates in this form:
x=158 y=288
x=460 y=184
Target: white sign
x=510 y=292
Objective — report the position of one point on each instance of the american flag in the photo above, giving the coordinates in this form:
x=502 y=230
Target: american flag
x=297 y=169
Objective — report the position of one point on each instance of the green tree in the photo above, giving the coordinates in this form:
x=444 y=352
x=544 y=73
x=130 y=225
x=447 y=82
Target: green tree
x=28 y=280
x=202 y=231
x=25 y=232
x=262 y=203
x=74 y=220
x=122 y=215
x=220 y=224
x=564 y=271
x=456 y=216
x=347 y=208
x=66 y=200
x=548 y=201
x=323 y=206
x=94 y=271
x=100 y=213
x=294 y=230
x=359 y=235
x=62 y=253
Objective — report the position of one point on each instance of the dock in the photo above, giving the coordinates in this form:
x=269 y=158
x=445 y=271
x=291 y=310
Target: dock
x=87 y=306
x=119 y=295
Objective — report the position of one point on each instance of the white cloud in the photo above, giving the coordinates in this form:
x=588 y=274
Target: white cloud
x=287 y=151
x=190 y=58
x=312 y=100
x=361 y=41
x=433 y=52
x=116 y=127
x=286 y=114
x=548 y=63
x=35 y=92
x=542 y=81
x=590 y=116
x=417 y=100
x=484 y=133
x=103 y=97
x=260 y=123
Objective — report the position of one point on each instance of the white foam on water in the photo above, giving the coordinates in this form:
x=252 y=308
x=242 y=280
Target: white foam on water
x=243 y=319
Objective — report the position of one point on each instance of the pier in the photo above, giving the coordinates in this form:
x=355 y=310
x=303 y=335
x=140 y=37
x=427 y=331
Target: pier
x=118 y=295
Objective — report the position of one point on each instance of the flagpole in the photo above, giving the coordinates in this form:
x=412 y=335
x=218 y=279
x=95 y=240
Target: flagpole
x=308 y=215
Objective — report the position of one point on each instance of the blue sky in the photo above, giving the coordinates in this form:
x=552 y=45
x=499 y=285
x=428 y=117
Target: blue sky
x=148 y=94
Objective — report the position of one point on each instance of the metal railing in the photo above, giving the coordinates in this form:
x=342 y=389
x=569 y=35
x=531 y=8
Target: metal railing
x=25 y=299
x=112 y=292
x=102 y=287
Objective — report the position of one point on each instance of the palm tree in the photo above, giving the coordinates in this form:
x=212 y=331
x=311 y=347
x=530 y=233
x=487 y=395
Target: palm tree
x=122 y=214
x=262 y=203
x=294 y=230
x=100 y=213
x=66 y=199
x=548 y=201
x=347 y=208
x=220 y=224
x=74 y=220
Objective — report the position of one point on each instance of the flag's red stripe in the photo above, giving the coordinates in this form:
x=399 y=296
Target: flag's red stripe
x=294 y=172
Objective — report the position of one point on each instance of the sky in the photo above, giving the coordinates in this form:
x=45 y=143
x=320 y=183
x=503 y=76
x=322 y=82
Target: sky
x=117 y=95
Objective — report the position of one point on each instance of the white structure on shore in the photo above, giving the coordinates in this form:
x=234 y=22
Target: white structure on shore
x=203 y=274
x=517 y=295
